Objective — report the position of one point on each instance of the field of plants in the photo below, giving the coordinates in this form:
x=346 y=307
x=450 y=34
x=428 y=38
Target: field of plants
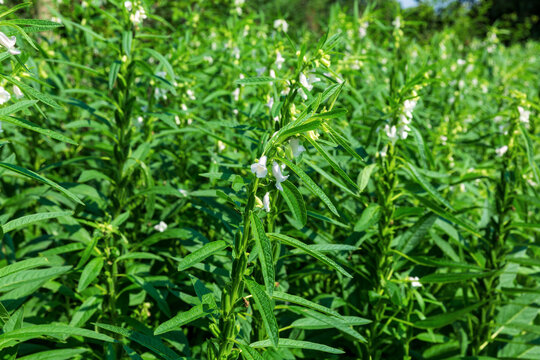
x=220 y=180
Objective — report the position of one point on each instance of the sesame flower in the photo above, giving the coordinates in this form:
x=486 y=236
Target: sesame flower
x=391 y=132
x=501 y=150
x=414 y=281
x=524 y=115
x=276 y=171
x=4 y=95
x=281 y=25
x=279 y=60
x=17 y=92
x=259 y=168
x=296 y=147
x=161 y=227
x=266 y=202
x=9 y=43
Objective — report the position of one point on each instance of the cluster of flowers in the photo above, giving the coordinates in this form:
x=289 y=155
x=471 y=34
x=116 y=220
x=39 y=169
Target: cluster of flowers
x=402 y=130
x=524 y=115
x=137 y=16
x=259 y=168
x=9 y=44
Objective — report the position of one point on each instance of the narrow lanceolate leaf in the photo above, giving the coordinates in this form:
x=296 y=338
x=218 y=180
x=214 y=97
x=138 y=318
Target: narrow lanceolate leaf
x=23 y=265
x=255 y=80
x=530 y=152
x=31 y=126
x=295 y=201
x=266 y=308
x=332 y=162
x=305 y=248
x=36 y=331
x=363 y=178
x=297 y=344
x=265 y=253
x=152 y=343
x=249 y=353
x=200 y=254
x=16 y=280
x=18 y=106
x=44 y=98
x=447 y=318
x=419 y=178
x=181 y=319
x=90 y=272
x=453 y=277
x=334 y=322
x=28 y=173
x=62 y=354
x=31 y=219
x=278 y=295
x=314 y=188
x=369 y=216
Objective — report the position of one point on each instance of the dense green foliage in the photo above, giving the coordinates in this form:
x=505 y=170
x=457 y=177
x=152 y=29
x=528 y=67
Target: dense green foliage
x=198 y=180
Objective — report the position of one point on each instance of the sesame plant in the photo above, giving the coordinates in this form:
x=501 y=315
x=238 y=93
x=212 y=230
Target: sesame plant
x=243 y=180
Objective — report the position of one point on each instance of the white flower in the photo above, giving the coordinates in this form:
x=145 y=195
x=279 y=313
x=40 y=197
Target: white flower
x=304 y=81
x=276 y=118
x=501 y=151
x=524 y=115
x=4 y=95
x=362 y=29
x=296 y=147
x=414 y=281
x=279 y=60
x=302 y=93
x=236 y=53
x=259 y=168
x=391 y=132
x=9 y=43
x=128 y=5
x=161 y=227
x=276 y=171
x=190 y=94
x=177 y=119
x=281 y=25
x=272 y=74
x=397 y=22
x=208 y=59
x=270 y=103
x=236 y=94
x=461 y=62
x=183 y=192
x=139 y=16
x=266 y=202
x=221 y=146
x=404 y=131
x=183 y=107
x=383 y=152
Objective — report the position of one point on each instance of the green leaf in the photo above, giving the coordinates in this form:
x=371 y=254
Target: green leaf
x=369 y=216
x=255 y=80
x=419 y=178
x=20 y=278
x=314 y=324
x=249 y=353
x=334 y=322
x=310 y=184
x=151 y=290
x=163 y=60
x=31 y=126
x=25 y=172
x=295 y=201
x=266 y=309
x=19 y=105
x=305 y=248
x=36 y=331
x=298 y=344
x=23 y=265
x=530 y=152
x=278 y=295
x=200 y=254
x=453 y=277
x=364 y=176
x=44 y=98
x=62 y=354
x=446 y=318
x=181 y=319
x=31 y=219
x=332 y=162
x=90 y=272
x=85 y=311
x=150 y=342
x=265 y=253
